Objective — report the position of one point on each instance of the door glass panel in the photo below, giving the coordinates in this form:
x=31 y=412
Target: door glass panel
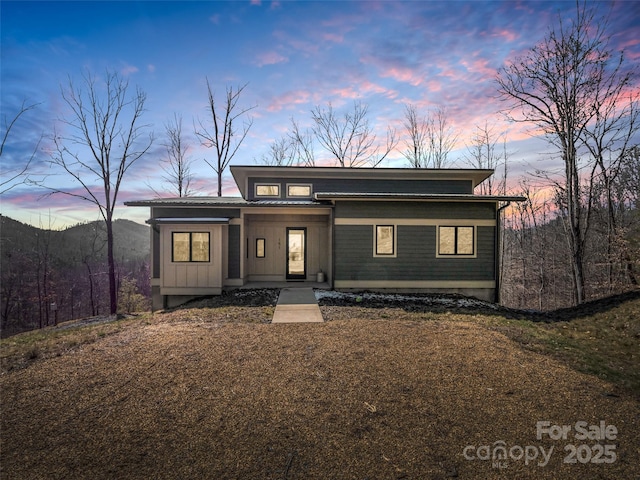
x=296 y=252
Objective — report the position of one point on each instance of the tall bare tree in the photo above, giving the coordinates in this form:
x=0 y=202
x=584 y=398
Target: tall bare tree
x=293 y=148
x=302 y=144
x=560 y=87
x=101 y=140
x=417 y=127
x=350 y=139
x=430 y=138
x=223 y=135
x=177 y=163
x=488 y=150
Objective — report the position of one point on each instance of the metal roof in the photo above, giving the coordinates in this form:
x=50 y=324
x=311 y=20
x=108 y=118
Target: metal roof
x=241 y=173
x=416 y=196
x=198 y=220
x=220 y=202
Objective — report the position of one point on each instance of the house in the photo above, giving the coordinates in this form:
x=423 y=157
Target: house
x=391 y=229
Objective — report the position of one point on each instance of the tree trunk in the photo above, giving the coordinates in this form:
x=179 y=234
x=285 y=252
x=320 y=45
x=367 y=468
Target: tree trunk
x=113 y=290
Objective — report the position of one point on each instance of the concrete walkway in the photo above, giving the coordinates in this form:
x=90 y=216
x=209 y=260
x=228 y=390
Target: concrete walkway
x=297 y=305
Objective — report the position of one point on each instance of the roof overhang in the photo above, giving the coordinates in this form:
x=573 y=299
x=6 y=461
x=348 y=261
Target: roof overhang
x=241 y=174
x=189 y=202
x=432 y=197
x=183 y=220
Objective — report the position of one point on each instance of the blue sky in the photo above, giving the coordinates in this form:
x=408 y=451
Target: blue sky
x=293 y=56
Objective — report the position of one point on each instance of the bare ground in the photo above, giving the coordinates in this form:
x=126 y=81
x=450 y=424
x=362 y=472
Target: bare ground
x=383 y=393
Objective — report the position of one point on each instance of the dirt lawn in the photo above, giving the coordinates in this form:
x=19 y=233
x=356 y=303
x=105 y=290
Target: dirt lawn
x=401 y=396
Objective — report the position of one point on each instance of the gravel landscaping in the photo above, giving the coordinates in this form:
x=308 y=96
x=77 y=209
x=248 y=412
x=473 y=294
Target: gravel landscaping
x=215 y=391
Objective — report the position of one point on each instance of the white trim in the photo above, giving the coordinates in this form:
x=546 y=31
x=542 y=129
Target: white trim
x=414 y=284
x=430 y=222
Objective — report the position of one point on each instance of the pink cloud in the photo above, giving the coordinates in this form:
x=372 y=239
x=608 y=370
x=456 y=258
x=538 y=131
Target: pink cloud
x=404 y=75
x=270 y=58
x=292 y=97
x=481 y=66
x=333 y=37
x=505 y=35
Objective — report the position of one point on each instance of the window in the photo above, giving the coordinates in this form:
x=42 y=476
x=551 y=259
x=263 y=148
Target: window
x=456 y=241
x=299 y=191
x=190 y=247
x=271 y=190
x=385 y=241
x=260 y=247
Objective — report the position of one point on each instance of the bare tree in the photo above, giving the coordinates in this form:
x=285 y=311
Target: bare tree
x=16 y=176
x=177 y=164
x=441 y=139
x=103 y=139
x=488 y=151
x=279 y=154
x=417 y=128
x=293 y=148
x=430 y=138
x=560 y=87
x=302 y=144
x=224 y=136
x=350 y=139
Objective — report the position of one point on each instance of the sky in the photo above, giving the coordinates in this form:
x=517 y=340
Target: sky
x=292 y=57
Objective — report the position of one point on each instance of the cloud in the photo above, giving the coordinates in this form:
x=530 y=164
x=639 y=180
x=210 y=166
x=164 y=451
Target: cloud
x=288 y=99
x=128 y=70
x=270 y=58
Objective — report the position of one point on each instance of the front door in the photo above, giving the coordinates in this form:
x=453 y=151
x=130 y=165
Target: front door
x=296 y=253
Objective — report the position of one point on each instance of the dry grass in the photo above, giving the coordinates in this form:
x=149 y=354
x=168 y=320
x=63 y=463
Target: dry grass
x=373 y=393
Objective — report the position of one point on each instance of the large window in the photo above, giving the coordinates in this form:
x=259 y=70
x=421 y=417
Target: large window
x=385 y=240
x=190 y=247
x=456 y=241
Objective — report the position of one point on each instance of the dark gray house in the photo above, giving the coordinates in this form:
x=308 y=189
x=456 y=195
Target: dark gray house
x=392 y=229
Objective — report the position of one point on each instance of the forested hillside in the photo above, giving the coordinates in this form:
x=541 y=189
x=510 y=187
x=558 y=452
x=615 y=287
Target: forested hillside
x=67 y=268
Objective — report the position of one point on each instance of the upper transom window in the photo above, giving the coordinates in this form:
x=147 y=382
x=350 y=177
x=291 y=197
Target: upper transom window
x=268 y=190
x=299 y=190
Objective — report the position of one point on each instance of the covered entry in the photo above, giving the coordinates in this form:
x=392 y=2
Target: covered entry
x=286 y=247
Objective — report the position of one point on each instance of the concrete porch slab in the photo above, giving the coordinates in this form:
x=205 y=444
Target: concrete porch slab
x=297 y=305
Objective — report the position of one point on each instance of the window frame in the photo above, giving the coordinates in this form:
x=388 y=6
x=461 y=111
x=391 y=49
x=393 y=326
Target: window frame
x=306 y=185
x=190 y=260
x=394 y=238
x=258 y=195
x=474 y=238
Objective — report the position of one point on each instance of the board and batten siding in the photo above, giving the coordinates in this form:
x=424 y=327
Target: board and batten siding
x=192 y=278
x=233 y=262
